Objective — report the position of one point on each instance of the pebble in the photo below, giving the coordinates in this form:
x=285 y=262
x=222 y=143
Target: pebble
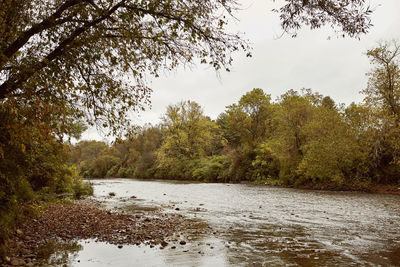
x=87 y=221
x=18 y=262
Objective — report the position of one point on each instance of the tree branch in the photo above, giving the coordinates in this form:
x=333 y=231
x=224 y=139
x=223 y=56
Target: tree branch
x=37 y=28
x=14 y=82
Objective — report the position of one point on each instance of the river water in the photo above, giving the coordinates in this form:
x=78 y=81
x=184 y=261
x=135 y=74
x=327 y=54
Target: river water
x=254 y=226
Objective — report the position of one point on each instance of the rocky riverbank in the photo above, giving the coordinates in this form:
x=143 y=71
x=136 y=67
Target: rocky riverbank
x=87 y=220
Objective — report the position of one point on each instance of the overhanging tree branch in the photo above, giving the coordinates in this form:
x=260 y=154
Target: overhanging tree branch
x=14 y=82
x=24 y=37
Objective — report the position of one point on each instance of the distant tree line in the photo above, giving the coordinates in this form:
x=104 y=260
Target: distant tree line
x=302 y=138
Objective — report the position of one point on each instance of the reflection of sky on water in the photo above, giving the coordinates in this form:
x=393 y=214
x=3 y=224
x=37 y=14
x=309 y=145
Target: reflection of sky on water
x=255 y=226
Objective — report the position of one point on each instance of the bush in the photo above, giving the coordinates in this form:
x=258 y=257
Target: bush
x=266 y=166
x=212 y=169
x=78 y=187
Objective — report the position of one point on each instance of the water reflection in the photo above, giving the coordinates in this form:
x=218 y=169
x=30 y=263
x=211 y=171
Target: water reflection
x=255 y=226
x=58 y=253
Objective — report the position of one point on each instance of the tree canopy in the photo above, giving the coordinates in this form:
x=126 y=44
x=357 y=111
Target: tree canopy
x=95 y=55
x=383 y=87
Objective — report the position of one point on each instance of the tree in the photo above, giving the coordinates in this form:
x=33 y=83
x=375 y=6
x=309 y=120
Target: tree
x=187 y=132
x=383 y=103
x=246 y=125
x=366 y=127
x=383 y=88
x=140 y=159
x=331 y=154
x=94 y=158
x=328 y=102
x=293 y=113
x=251 y=117
x=249 y=121
x=87 y=151
x=188 y=135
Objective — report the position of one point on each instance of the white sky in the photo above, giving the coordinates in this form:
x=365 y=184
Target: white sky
x=334 y=67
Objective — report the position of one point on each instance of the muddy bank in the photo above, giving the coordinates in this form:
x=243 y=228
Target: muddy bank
x=362 y=188
x=87 y=220
x=368 y=188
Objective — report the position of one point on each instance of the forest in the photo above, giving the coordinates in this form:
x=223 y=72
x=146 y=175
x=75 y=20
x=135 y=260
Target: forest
x=300 y=139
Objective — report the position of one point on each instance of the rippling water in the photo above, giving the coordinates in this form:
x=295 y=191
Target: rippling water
x=255 y=226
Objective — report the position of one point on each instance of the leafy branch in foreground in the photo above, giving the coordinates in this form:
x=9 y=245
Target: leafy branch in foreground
x=95 y=55
x=350 y=17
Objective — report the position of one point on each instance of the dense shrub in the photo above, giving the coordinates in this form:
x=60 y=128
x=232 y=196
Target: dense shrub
x=212 y=169
x=32 y=169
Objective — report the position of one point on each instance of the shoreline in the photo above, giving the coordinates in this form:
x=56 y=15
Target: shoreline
x=360 y=188
x=370 y=189
x=84 y=220
x=62 y=226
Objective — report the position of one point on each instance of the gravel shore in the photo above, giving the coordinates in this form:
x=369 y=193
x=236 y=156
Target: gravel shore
x=87 y=220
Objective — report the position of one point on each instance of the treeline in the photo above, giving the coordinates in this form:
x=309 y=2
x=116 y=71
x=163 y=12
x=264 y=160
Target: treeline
x=299 y=139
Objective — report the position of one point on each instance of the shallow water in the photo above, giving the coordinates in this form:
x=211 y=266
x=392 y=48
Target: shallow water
x=254 y=226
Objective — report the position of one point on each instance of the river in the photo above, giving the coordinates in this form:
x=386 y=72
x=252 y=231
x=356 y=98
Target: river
x=253 y=226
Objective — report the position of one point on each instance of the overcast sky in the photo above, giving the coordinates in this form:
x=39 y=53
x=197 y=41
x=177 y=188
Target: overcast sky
x=334 y=67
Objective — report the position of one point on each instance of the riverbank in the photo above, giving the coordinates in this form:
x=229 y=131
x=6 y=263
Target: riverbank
x=360 y=187
x=225 y=225
x=365 y=188
x=83 y=220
